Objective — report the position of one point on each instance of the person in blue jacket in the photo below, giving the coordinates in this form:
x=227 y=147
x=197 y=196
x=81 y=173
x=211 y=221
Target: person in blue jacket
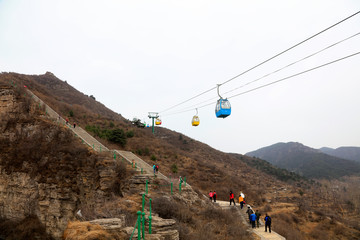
x=253 y=219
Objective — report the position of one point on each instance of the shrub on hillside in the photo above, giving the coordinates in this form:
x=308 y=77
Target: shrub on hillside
x=117 y=136
x=174 y=168
x=28 y=228
x=113 y=135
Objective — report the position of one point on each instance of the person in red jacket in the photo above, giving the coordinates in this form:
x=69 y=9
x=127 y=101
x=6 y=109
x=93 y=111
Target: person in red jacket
x=211 y=195
x=232 y=198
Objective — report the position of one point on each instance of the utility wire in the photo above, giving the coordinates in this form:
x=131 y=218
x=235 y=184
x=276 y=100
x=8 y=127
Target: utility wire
x=307 y=39
x=278 y=70
x=271 y=83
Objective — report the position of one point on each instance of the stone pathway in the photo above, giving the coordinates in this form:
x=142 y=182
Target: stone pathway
x=86 y=137
x=130 y=157
x=258 y=231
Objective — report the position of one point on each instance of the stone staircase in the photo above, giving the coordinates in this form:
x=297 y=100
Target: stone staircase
x=81 y=133
x=147 y=168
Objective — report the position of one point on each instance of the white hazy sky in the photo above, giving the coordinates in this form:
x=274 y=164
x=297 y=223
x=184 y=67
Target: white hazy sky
x=141 y=56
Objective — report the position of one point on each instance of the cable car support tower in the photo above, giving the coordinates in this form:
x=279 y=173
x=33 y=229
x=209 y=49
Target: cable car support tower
x=153 y=115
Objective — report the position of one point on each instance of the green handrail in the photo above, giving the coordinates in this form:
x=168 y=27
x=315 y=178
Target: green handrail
x=143 y=226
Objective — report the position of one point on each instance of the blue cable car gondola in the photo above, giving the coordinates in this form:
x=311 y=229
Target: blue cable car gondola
x=223 y=107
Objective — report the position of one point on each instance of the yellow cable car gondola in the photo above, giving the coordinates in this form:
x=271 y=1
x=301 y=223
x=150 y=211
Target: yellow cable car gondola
x=158 y=121
x=195 y=120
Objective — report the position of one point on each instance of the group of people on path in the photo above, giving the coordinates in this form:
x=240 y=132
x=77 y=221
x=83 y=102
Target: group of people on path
x=67 y=122
x=212 y=195
x=254 y=217
x=155 y=168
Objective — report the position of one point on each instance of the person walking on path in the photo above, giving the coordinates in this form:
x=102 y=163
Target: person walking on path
x=253 y=219
x=214 y=196
x=232 y=198
x=154 y=167
x=257 y=218
x=74 y=124
x=249 y=211
x=241 y=201
x=211 y=195
x=267 y=223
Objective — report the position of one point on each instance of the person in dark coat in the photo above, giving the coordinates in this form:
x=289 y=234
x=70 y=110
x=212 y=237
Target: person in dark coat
x=214 y=196
x=267 y=223
x=258 y=214
x=249 y=211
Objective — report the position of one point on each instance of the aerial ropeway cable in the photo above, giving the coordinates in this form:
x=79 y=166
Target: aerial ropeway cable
x=277 y=81
x=267 y=60
x=279 y=69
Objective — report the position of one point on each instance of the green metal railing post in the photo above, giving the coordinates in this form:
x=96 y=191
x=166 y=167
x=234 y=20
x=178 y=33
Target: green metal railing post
x=141 y=171
x=100 y=148
x=143 y=226
x=132 y=164
x=139 y=225
x=135 y=165
x=153 y=125
x=93 y=146
x=114 y=155
x=180 y=187
x=146 y=188
x=143 y=202
x=171 y=184
x=150 y=218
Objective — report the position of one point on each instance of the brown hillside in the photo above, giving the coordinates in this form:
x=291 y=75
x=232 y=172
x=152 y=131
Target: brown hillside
x=300 y=209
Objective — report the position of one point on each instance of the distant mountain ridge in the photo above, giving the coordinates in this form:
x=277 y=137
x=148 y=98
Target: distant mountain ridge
x=306 y=161
x=349 y=153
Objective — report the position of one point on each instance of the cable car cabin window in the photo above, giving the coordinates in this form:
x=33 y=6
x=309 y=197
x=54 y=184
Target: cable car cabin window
x=217 y=108
x=225 y=104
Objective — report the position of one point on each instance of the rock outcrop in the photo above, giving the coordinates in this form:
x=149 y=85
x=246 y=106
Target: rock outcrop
x=43 y=170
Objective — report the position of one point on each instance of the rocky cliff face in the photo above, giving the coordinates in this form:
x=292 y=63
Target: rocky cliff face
x=44 y=170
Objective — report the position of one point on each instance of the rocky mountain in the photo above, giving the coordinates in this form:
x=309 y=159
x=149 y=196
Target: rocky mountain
x=349 y=153
x=48 y=174
x=306 y=161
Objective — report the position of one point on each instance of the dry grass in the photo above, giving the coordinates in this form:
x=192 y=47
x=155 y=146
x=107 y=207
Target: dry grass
x=86 y=231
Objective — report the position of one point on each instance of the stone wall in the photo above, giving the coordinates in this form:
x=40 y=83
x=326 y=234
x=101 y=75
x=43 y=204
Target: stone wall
x=50 y=185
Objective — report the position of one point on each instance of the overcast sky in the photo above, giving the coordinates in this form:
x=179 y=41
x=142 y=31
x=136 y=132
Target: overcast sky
x=141 y=56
